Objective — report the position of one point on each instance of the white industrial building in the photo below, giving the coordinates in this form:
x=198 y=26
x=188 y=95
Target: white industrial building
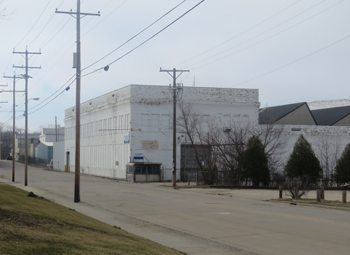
x=132 y=127
x=324 y=124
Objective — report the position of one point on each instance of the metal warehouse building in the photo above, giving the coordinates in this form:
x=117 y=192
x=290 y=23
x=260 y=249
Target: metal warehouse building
x=131 y=128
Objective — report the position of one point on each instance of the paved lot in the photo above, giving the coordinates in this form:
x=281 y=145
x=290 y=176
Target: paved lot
x=198 y=221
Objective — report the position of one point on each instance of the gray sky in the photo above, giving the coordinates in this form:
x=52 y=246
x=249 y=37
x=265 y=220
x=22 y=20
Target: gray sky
x=291 y=50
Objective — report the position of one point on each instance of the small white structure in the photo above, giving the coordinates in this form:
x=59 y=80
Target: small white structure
x=132 y=126
x=50 y=135
x=58 y=161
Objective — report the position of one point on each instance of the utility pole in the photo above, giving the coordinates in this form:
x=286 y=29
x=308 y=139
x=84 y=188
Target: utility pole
x=26 y=77
x=0 y=125
x=174 y=73
x=14 y=91
x=77 y=15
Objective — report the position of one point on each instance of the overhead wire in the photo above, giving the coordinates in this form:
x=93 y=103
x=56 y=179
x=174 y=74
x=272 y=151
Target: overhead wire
x=145 y=41
x=105 y=17
x=54 y=95
x=45 y=25
x=239 y=34
x=69 y=81
x=50 y=39
x=225 y=54
x=136 y=35
x=312 y=53
x=51 y=100
x=34 y=24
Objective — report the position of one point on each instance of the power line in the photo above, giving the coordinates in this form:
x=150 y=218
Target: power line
x=319 y=50
x=58 y=90
x=253 y=27
x=225 y=53
x=133 y=37
x=54 y=95
x=77 y=15
x=34 y=24
x=259 y=34
x=50 y=39
x=45 y=25
x=105 y=16
x=144 y=42
x=66 y=89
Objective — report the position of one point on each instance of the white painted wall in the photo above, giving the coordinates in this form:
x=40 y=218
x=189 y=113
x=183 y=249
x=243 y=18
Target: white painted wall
x=138 y=119
x=320 y=137
x=58 y=156
x=104 y=125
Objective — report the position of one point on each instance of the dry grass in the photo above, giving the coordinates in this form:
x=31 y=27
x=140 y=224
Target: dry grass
x=30 y=225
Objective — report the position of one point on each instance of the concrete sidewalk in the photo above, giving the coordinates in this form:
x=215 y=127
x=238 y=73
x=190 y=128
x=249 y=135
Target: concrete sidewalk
x=197 y=221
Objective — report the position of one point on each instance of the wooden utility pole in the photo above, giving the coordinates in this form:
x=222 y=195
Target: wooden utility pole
x=78 y=15
x=14 y=91
x=26 y=77
x=174 y=73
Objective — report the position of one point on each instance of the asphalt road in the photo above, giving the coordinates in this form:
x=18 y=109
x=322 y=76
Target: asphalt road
x=198 y=221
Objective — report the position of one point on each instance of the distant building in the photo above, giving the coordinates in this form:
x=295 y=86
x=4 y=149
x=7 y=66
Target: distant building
x=289 y=114
x=326 y=127
x=50 y=135
x=33 y=141
x=129 y=130
x=317 y=113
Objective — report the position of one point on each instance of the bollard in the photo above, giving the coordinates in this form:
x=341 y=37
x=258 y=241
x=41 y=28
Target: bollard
x=318 y=195
x=344 y=197
x=280 y=192
x=322 y=193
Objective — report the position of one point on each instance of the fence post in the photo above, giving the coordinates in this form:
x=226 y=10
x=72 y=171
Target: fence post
x=280 y=192
x=318 y=195
x=344 y=197
x=322 y=193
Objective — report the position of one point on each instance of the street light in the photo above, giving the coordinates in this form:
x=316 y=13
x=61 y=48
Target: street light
x=34 y=99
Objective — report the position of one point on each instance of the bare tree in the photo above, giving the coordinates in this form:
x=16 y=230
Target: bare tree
x=229 y=146
x=270 y=135
x=226 y=140
x=328 y=153
x=193 y=126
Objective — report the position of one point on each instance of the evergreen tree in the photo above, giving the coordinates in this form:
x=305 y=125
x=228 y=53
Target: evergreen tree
x=255 y=163
x=303 y=163
x=342 y=169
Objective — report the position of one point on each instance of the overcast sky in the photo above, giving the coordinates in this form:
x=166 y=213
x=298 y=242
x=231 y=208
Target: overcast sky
x=291 y=50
